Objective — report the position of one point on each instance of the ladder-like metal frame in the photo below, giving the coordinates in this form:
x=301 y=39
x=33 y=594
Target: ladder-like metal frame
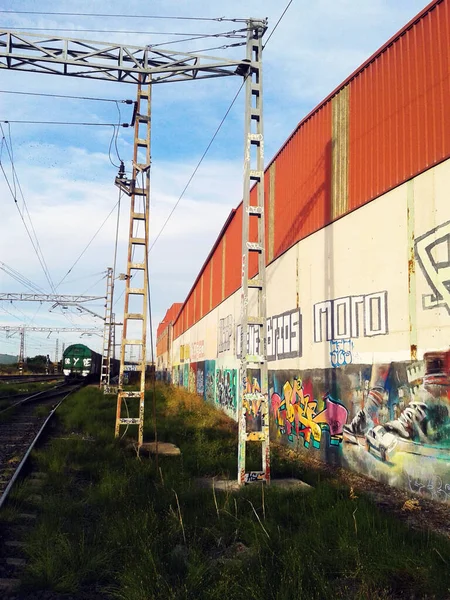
x=141 y=169
x=21 y=359
x=254 y=393
x=106 y=350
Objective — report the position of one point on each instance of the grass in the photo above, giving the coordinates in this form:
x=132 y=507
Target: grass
x=9 y=390
x=118 y=526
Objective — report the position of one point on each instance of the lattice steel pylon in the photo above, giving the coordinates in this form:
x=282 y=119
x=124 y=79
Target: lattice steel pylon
x=55 y=366
x=21 y=359
x=106 y=348
x=136 y=297
x=253 y=409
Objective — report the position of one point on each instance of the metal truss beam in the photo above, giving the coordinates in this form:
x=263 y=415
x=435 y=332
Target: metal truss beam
x=58 y=298
x=16 y=328
x=112 y=62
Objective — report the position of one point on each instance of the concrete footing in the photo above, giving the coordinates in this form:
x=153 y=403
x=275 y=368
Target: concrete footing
x=231 y=485
x=162 y=448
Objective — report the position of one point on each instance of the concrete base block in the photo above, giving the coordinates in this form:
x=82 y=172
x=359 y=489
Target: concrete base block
x=231 y=485
x=164 y=449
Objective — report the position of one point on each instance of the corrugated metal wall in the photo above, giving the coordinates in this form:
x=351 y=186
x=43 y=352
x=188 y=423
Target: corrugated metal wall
x=399 y=117
x=387 y=122
x=302 y=182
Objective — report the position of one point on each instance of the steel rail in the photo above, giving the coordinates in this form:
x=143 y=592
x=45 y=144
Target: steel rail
x=28 y=398
x=20 y=466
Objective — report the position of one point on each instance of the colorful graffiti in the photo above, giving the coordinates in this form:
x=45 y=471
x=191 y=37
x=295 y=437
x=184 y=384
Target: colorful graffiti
x=192 y=382
x=296 y=412
x=341 y=353
x=226 y=388
x=201 y=378
x=210 y=378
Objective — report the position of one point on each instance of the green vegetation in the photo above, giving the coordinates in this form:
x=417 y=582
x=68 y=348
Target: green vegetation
x=118 y=526
x=9 y=390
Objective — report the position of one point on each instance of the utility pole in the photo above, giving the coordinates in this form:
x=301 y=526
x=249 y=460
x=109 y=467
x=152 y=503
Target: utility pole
x=253 y=396
x=106 y=349
x=21 y=350
x=55 y=366
x=136 y=296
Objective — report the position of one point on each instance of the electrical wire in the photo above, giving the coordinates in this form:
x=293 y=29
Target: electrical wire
x=277 y=23
x=213 y=138
x=155 y=431
x=30 y=122
x=122 y=16
x=13 y=28
x=36 y=246
x=21 y=278
x=198 y=165
x=90 y=242
x=64 y=96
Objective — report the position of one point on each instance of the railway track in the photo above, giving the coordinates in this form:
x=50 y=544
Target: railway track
x=20 y=432
x=29 y=378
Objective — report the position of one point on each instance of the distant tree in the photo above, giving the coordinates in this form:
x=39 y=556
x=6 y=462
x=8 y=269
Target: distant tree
x=37 y=364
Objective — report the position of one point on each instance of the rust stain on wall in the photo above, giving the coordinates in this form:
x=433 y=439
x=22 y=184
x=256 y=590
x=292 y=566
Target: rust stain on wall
x=271 y=216
x=340 y=152
x=224 y=263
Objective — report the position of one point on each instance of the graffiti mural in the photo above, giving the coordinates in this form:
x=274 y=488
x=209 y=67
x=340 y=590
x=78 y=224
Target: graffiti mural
x=341 y=353
x=433 y=255
x=185 y=368
x=210 y=380
x=284 y=336
x=297 y=413
x=197 y=350
x=351 y=317
x=201 y=378
x=225 y=334
x=192 y=382
x=226 y=389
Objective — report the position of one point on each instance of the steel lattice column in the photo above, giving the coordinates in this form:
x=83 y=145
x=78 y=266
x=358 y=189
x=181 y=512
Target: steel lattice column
x=253 y=397
x=136 y=290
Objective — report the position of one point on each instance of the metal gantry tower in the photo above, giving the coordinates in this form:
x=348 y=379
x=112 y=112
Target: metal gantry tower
x=144 y=65
x=253 y=409
x=106 y=348
x=134 y=334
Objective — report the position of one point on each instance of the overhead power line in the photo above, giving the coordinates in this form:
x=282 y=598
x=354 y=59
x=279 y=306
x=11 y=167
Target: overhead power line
x=213 y=137
x=121 y=16
x=13 y=191
x=32 y=122
x=278 y=22
x=64 y=96
x=89 y=243
x=198 y=164
x=85 y=30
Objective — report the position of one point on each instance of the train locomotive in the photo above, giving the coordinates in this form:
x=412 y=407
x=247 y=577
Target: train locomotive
x=82 y=363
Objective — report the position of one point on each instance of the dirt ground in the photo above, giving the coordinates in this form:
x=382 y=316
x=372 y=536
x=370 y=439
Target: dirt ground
x=419 y=512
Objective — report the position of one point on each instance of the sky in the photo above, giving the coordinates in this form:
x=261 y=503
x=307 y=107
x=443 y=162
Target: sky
x=62 y=176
